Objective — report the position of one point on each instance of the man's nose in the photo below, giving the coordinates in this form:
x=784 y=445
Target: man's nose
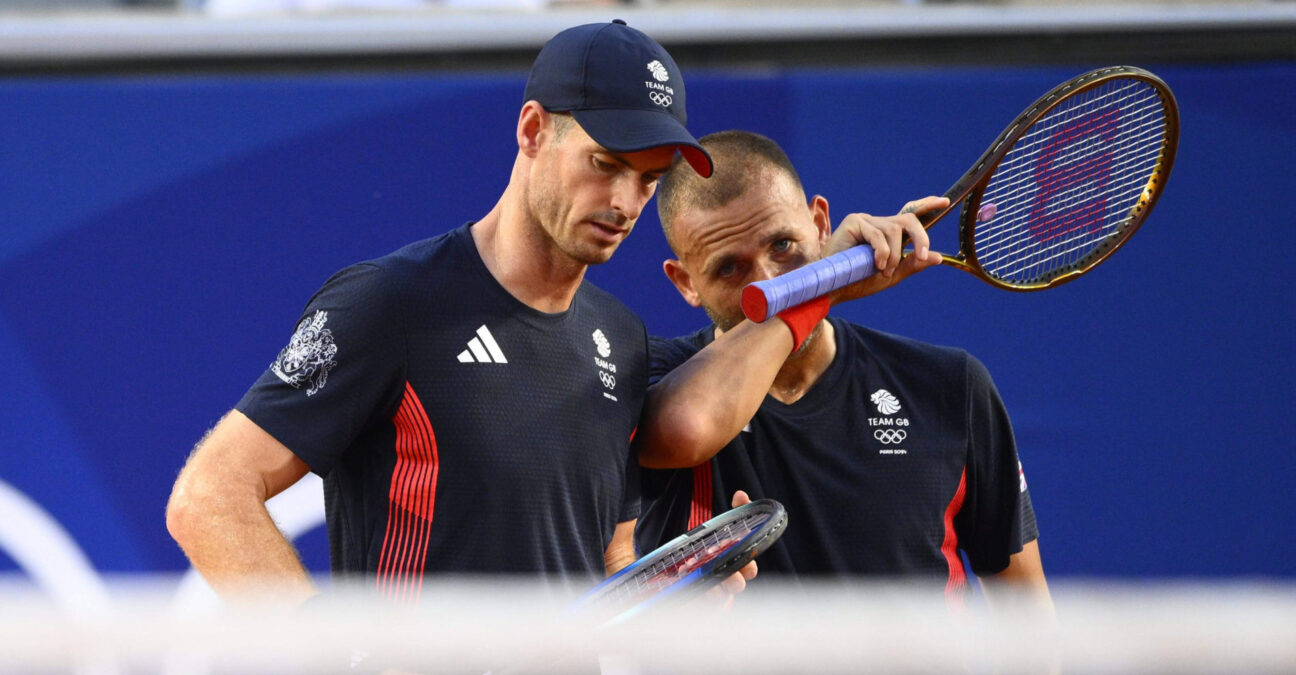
x=629 y=196
x=765 y=269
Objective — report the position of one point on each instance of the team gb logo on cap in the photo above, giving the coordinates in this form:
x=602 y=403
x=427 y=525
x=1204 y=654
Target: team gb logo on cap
x=658 y=71
x=659 y=93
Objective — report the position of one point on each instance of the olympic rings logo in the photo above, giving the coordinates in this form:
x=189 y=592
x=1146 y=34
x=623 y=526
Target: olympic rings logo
x=663 y=100
x=890 y=436
x=609 y=380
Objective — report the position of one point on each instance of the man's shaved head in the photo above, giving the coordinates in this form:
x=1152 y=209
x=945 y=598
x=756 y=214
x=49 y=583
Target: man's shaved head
x=742 y=160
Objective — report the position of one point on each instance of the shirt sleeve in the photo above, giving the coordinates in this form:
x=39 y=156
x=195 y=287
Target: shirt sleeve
x=997 y=518
x=663 y=490
x=665 y=355
x=632 y=502
x=665 y=517
x=340 y=372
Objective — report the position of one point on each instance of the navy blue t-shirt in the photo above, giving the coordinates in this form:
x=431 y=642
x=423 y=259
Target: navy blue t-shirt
x=457 y=429
x=900 y=456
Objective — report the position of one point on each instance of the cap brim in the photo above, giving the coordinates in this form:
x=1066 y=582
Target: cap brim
x=635 y=130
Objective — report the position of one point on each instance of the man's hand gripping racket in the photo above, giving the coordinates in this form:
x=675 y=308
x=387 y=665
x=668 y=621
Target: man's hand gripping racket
x=1064 y=186
x=705 y=559
x=689 y=564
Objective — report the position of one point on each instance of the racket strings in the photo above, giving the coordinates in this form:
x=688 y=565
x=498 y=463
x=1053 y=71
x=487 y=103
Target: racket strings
x=682 y=562
x=1064 y=201
x=1128 y=173
x=1016 y=171
x=1003 y=240
x=1029 y=145
x=1149 y=135
x=1071 y=182
x=1148 y=130
x=1086 y=236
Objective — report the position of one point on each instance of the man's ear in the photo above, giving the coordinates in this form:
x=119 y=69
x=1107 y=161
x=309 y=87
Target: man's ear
x=819 y=213
x=683 y=282
x=532 y=120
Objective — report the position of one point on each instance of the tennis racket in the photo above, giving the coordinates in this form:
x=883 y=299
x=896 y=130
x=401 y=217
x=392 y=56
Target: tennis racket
x=688 y=564
x=1064 y=186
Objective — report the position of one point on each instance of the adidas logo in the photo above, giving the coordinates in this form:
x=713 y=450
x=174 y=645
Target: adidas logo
x=482 y=349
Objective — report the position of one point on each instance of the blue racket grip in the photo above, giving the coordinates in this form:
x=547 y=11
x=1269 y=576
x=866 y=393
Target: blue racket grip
x=763 y=299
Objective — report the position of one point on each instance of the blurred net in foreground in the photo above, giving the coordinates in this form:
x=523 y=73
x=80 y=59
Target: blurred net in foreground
x=476 y=626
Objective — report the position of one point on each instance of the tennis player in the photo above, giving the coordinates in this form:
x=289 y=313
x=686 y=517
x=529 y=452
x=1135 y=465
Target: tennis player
x=890 y=455
x=469 y=399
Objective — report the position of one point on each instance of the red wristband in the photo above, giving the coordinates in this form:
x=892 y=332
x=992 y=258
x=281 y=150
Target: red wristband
x=803 y=318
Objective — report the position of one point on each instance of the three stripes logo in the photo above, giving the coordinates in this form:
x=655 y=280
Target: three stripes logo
x=482 y=349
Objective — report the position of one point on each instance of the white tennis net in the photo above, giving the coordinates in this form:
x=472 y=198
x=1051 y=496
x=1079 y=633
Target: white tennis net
x=467 y=626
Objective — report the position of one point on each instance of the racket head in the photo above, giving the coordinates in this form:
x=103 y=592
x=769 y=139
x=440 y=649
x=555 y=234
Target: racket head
x=1069 y=181
x=690 y=563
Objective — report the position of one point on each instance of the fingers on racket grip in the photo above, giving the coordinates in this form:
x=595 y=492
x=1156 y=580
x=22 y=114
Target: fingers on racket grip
x=758 y=546
x=773 y=531
x=763 y=299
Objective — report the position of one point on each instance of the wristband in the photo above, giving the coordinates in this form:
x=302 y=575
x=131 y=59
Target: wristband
x=803 y=318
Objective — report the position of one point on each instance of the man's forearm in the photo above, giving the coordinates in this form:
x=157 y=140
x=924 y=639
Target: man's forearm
x=620 y=552
x=217 y=512
x=236 y=546
x=701 y=405
x=1021 y=584
x=1021 y=590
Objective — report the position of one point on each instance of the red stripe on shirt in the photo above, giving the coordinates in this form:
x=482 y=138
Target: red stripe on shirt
x=415 y=515
x=410 y=502
x=391 y=563
x=700 y=510
x=957 y=577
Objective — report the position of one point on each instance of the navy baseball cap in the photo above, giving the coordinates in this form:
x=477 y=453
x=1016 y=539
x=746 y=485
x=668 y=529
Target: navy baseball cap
x=621 y=86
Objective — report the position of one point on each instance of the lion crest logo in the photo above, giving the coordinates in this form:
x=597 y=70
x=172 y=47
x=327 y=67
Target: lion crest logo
x=658 y=71
x=308 y=358
x=886 y=402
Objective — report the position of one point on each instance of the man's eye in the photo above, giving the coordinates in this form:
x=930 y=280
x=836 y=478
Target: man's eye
x=726 y=270
x=603 y=166
x=782 y=245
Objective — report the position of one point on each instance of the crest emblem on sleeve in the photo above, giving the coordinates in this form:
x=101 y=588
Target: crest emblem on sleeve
x=309 y=356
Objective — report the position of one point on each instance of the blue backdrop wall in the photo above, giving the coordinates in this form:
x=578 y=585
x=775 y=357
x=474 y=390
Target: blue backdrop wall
x=158 y=237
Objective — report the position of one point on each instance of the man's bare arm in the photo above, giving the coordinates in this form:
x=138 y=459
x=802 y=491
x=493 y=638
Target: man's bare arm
x=217 y=512
x=703 y=404
x=1021 y=591
x=692 y=412
x=1021 y=584
x=621 y=551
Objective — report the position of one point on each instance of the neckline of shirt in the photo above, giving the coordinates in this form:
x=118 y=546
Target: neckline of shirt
x=824 y=389
x=523 y=311
x=827 y=387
